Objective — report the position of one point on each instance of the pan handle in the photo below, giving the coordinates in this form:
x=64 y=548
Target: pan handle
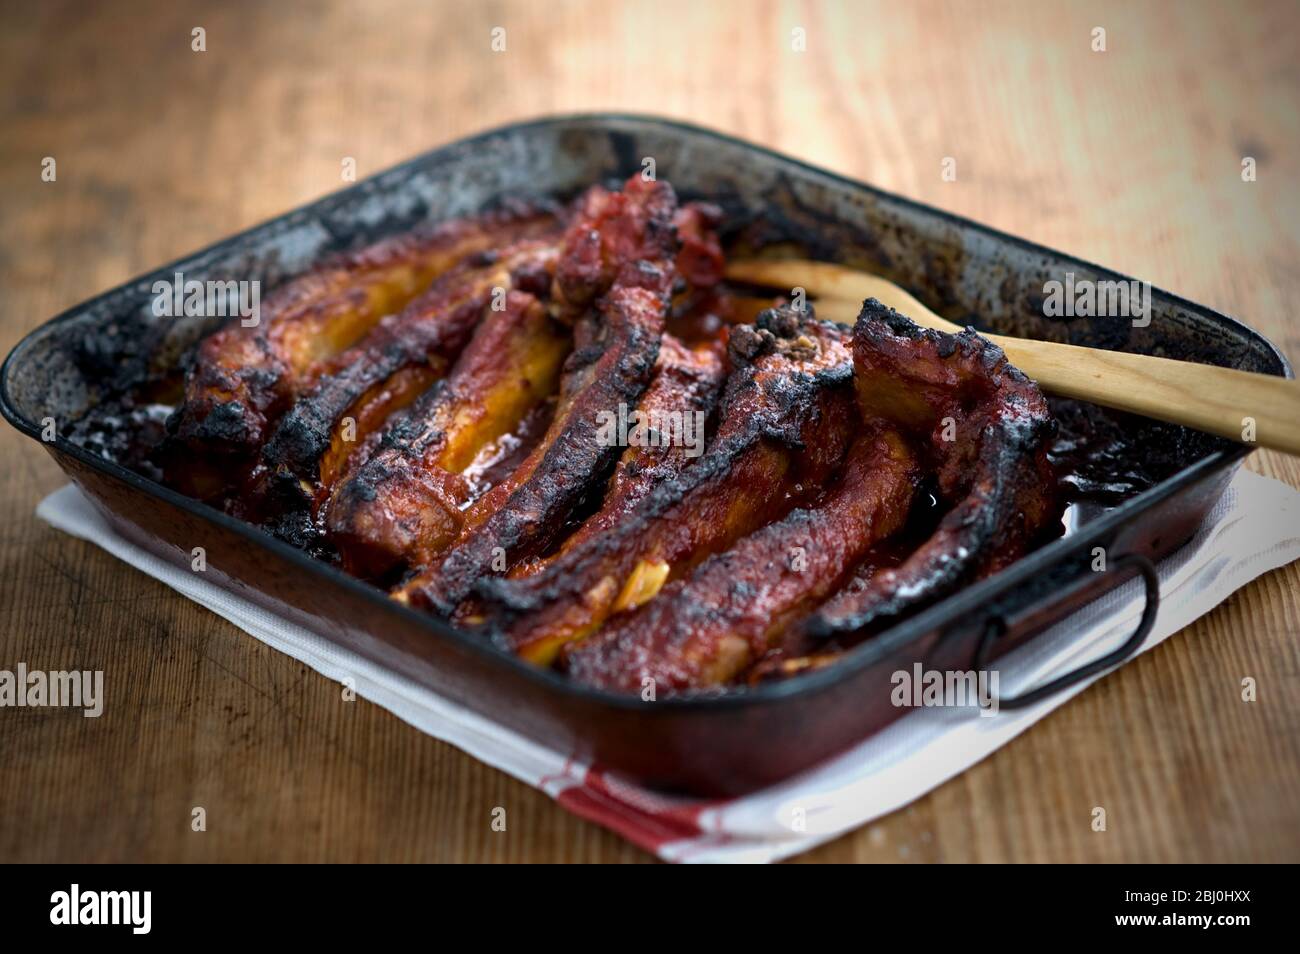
x=996 y=626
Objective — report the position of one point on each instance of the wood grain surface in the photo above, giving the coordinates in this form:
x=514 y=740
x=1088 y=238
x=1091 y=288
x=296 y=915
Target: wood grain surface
x=1130 y=157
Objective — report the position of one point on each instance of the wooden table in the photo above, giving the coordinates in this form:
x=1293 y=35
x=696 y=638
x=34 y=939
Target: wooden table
x=1129 y=157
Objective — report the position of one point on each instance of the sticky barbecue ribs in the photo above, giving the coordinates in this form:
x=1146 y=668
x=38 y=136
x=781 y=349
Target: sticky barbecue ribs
x=786 y=419
x=434 y=414
x=420 y=341
x=975 y=422
x=686 y=385
x=985 y=428
x=244 y=377
x=615 y=277
x=705 y=630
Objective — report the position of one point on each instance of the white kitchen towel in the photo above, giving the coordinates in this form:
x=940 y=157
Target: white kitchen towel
x=1254 y=528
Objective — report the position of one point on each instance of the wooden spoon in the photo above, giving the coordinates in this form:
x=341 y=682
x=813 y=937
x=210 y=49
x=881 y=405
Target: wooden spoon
x=1239 y=405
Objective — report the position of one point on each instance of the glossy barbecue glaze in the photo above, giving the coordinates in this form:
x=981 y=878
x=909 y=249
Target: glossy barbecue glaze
x=683 y=574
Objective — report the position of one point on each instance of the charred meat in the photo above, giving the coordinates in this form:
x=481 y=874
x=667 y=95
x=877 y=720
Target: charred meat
x=555 y=427
x=984 y=428
x=406 y=503
x=245 y=375
x=786 y=420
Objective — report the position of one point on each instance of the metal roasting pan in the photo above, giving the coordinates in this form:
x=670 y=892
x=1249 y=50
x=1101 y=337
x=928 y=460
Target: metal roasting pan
x=1162 y=480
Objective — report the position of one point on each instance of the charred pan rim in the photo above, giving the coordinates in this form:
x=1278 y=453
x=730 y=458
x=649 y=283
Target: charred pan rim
x=970 y=602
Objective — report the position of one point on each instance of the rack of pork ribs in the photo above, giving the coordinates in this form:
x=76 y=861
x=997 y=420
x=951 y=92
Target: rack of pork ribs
x=427 y=413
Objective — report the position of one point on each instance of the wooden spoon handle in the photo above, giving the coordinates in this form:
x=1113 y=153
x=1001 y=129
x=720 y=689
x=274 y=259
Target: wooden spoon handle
x=1239 y=405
